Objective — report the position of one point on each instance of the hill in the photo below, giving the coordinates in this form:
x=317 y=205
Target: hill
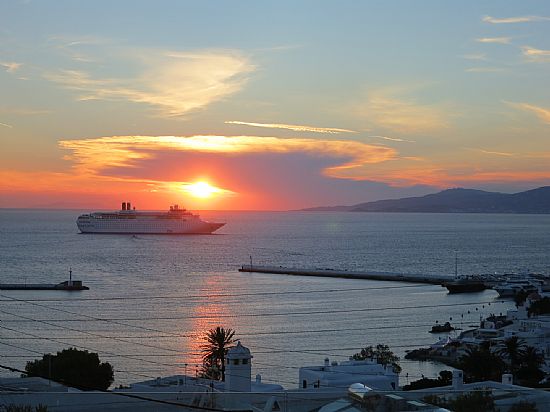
x=464 y=201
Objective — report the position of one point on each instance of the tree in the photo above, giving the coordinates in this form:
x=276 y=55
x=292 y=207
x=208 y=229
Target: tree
x=215 y=350
x=77 y=368
x=523 y=406
x=383 y=355
x=478 y=401
x=480 y=364
x=529 y=372
x=540 y=307
x=513 y=348
x=520 y=297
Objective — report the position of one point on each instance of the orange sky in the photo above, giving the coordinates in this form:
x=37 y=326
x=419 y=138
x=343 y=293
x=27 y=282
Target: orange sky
x=270 y=108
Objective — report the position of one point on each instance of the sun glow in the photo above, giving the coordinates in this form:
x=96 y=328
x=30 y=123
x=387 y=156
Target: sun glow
x=201 y=189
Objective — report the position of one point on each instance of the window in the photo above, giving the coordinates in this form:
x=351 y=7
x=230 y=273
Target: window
x=235 y=361
x=245 y=361
x=304 y=384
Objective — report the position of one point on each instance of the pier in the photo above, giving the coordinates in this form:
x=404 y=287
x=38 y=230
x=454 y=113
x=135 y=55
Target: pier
x=68 y=285
x=74 y=285
x=334 y=273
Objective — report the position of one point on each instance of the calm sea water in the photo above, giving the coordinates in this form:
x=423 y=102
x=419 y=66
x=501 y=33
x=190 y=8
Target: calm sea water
x=152 y=297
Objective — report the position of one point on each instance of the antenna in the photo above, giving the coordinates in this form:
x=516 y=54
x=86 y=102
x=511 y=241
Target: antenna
x=456 y=264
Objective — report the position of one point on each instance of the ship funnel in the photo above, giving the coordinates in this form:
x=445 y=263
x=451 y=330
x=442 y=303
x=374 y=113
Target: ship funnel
x=128 y=206
x=123 y=205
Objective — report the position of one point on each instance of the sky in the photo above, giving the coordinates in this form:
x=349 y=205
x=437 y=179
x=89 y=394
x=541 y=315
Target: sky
x=249 y=105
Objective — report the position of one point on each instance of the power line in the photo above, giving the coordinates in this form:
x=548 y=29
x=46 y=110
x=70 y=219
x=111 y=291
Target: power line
x=317 y=312
x=90 y=333
x=139 y=397
x=87 y=348
x=251 y=334
x=220 y=295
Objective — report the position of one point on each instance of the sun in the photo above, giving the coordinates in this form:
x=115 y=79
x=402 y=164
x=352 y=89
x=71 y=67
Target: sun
x=201 y=190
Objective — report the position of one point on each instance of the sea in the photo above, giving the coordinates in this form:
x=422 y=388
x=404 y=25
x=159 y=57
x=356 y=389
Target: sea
x=152 y=298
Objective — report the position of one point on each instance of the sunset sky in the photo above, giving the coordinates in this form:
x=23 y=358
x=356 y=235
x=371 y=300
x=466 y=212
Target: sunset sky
x=269 y=105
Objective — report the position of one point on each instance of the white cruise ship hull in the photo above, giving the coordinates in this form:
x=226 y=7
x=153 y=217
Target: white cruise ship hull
x=176 y=221
x=203 y=228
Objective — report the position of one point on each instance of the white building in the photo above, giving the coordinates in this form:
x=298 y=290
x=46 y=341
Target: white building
x=343 y=374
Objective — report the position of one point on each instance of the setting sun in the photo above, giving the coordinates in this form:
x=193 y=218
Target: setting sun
x=201 y=189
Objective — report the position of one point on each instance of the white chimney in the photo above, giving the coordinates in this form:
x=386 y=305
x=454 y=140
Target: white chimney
x=238 y=369
x=507 y=379
x=458 y=379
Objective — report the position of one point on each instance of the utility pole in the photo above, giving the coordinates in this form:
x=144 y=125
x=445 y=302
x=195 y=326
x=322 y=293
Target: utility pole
x=50 y=369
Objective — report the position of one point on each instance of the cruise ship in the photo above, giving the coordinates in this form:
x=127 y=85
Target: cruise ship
x=128 y=220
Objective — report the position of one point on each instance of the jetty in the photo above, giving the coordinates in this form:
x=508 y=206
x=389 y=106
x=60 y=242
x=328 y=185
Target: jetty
x=68 y=285
x=335 y=273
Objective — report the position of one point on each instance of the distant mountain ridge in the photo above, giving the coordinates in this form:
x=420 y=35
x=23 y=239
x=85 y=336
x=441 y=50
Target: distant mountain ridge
x=460 y=201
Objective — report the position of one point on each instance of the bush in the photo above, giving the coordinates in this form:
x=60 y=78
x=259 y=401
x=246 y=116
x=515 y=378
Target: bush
x=73 y=367
x=479 y=401
x=445 y=378
x=523 y=406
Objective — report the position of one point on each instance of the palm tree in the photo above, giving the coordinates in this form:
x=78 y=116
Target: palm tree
x=215 y=350
x=479 y=364
x=532 y=357
x=529 y=372
x=513 y=348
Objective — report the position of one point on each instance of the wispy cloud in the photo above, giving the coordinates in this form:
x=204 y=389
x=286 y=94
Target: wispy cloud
x=6 y=125
x=22 y=111
x=92 y=156
x=492 y=152
x=393 y=139
x=11 y=67
x=402 y=116
x=172 y=82
x=484 y=69
x=475 y=56
x=536 y=55
x=294 y=127
x=499 y=40
x=511 y=20
x=542 y=113
x=78 y=48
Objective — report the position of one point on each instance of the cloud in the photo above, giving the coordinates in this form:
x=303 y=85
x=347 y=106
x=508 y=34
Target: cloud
x=6 y=125
x=79 y=48
x=491 y=152
x=93 y=156
x=510 y=20
x=11 y=67
x=294 y=127
x=22 y=111
x=484 y=70
x=500 y=40
x=536 y=55
x=477 y=56
x=402 y=116
x=453 y=175
x=173 y=83
x=393 y=139
x=541 y=112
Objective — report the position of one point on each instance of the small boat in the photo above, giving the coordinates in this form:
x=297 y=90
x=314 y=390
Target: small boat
x=514 y=285
x=438 y=328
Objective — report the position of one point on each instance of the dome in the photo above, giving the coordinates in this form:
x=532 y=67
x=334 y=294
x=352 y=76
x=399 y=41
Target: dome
x=238 y=352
